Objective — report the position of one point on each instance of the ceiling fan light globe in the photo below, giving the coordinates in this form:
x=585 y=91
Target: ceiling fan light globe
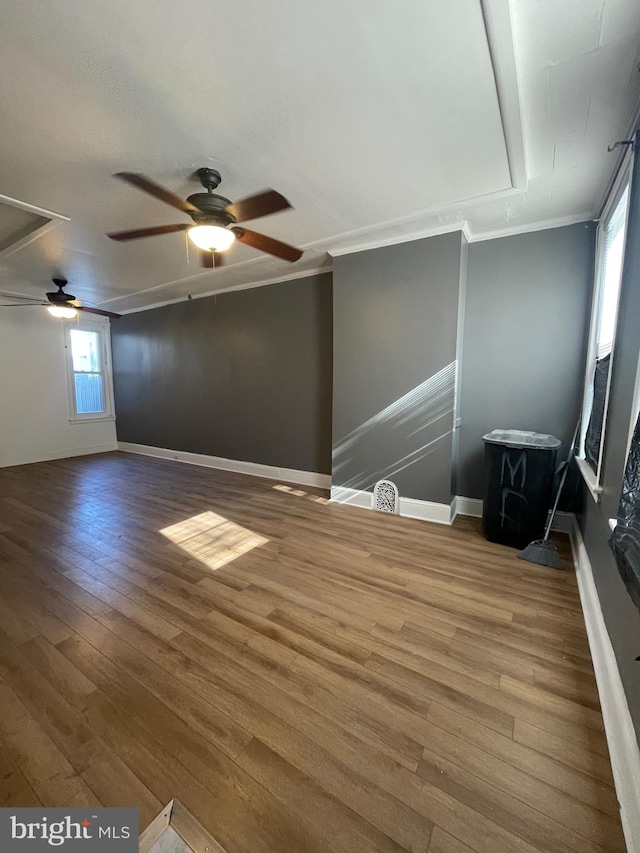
x=212 y=238
x=63 y=311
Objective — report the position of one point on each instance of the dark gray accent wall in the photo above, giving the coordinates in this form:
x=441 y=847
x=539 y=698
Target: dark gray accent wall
x=621 y=616
x=243 y=375
x=395 y=324
x=525 y=335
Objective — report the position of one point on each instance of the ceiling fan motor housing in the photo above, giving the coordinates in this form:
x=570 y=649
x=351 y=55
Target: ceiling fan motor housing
x=211 y=209
x=59 y=297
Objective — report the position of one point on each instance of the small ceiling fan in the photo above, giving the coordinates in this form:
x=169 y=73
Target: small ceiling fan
x=59 y=303
x=213 y=229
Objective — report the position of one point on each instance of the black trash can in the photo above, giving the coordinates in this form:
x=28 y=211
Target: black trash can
x=519 y=472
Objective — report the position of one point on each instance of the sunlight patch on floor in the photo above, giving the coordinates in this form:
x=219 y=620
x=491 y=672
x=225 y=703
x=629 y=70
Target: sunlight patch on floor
x=281 y=487
x=212 y=539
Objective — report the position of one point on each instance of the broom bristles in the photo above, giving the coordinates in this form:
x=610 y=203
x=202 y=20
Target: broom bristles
x=542 y=552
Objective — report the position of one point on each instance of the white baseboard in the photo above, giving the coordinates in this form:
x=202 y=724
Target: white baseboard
x=269 y=472
x=621 y=736
x=408 y=507
x=562 y=523
x=64 y=454
x=468 y=506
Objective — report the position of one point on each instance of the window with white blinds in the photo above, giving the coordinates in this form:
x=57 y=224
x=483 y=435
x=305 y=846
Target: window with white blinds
x=89 y=370
x=611 y=276
x=609 y=265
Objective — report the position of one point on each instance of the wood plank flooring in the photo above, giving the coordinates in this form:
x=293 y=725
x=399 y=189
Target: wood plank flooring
x=303 y=676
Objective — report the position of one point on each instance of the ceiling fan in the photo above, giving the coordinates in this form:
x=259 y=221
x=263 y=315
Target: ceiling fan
x=59 y=303
x=213 y=230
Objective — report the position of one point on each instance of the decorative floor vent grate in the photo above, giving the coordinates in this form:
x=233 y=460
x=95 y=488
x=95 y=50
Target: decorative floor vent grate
x=385 y=497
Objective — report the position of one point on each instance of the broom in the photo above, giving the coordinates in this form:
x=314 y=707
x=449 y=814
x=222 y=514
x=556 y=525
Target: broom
x=542 y=551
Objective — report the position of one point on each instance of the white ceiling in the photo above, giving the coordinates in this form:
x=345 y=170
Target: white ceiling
x=379 y=121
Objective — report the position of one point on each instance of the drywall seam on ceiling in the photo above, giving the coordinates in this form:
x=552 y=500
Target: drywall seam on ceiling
x=247 y=286
x=499 y=33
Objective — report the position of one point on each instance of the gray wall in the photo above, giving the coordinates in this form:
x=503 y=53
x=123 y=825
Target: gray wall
x=395 y=323
x=243 y=375
x=621 y=616
x=525 y=336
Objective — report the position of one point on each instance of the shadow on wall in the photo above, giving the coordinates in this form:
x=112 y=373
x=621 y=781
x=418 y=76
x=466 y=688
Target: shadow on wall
x=399 y=436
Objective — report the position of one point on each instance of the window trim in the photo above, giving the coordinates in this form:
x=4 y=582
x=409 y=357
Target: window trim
x=623 y=180
x=103 y=330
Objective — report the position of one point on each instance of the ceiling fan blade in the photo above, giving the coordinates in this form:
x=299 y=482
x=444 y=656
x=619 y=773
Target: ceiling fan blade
x=156 y=191
x=147 y=232
x=255 y=206
x=21 y=304
x=206 y=260
x=267 y=244
x=97 y=311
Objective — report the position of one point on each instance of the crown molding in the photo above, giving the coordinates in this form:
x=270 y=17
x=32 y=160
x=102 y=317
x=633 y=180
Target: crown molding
x=462 y=226
x=397 y=239
x=307 y=273
x=530 y=227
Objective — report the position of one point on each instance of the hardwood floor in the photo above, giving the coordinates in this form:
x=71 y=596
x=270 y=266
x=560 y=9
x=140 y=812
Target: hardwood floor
x=302 y=676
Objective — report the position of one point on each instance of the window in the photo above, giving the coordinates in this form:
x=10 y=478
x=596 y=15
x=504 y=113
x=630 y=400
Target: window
x=609 y=263
x=89 y=371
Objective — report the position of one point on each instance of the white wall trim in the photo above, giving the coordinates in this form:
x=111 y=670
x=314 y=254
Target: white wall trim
x=532 y=227
x=408 y=507
x=621 y=736
x=254 y=469
x=66 y=454
x=397 y=239
x=472 y=507
x=468 y=506
x=365 y=245
x=292 y=276
x=425 y=510
x=589 y=477
x=563 y=522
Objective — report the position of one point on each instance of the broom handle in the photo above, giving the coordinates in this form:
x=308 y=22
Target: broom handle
x=561 y=483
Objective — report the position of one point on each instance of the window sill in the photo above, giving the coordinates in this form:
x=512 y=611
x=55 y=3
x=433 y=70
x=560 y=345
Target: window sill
x=90 y=420
x=590 y=479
